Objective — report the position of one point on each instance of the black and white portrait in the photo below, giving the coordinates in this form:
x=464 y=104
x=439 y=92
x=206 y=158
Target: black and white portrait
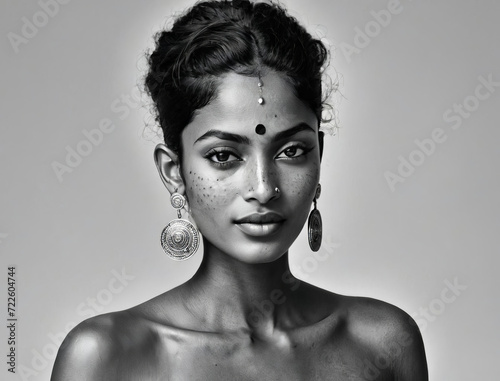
x=249 y=190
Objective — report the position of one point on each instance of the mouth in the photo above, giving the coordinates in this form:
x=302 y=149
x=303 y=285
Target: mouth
x=260 y=225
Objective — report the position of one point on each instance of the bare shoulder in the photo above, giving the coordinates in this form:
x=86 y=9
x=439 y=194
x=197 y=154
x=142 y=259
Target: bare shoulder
x=128 y=344
x=390 y=334
x=97 y=348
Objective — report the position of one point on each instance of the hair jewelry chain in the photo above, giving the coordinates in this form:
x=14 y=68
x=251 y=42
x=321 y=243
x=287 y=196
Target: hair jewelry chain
x=260 y=84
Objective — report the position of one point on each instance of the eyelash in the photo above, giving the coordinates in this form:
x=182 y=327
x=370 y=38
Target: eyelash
x=227 y=164
x=296 y=146
x=221 y=164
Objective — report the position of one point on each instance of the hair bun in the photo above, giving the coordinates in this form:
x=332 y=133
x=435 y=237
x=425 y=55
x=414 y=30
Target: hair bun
x=216 y=37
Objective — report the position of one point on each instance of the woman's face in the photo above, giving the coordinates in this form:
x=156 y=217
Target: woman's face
x=231 y=172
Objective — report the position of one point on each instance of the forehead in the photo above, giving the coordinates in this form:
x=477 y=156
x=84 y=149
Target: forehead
x=236 y=107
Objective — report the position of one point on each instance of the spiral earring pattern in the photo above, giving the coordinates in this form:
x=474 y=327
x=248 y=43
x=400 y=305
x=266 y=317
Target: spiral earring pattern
x=315 y=225
x=179 y=239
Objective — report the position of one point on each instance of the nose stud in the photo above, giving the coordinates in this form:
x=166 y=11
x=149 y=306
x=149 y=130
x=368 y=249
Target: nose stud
x=277 y=190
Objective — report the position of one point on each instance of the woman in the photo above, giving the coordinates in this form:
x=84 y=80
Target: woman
x=238 y=92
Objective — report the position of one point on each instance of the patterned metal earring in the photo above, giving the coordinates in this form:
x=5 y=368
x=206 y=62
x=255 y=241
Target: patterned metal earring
x=315 y=225
x=180 y=238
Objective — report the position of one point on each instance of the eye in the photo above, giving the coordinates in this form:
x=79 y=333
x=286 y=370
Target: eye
x=221 y=157
x=293 y=152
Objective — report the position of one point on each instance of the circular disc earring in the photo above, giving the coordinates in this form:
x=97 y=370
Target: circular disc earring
x=315 y=225
x=179 y=239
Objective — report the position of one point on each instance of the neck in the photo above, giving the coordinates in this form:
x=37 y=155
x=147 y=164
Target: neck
x=242 y=295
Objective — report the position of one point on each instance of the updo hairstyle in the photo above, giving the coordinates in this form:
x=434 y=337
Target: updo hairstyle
x=217 y=37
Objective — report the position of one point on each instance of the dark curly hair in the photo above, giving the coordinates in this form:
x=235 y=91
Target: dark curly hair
x=216 y=37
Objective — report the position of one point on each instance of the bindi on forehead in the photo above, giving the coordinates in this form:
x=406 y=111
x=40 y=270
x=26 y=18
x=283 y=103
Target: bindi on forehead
x=260 y=129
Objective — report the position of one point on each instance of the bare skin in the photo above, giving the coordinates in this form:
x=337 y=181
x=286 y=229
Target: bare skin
x=312 y=335
x=244 y=316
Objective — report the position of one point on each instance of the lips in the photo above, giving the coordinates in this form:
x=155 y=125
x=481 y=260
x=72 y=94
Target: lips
x=260 y=218
x=260 y=225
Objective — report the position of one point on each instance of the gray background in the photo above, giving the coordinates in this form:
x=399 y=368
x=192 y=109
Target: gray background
x=401 y=245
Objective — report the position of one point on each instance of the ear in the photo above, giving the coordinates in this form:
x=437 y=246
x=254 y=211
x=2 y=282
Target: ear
x=167 y=163
x=321 y=135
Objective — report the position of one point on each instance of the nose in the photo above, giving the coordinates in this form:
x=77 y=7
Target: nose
x=261 y=182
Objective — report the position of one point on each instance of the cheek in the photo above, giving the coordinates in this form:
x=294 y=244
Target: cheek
x=302 y=185
x=206 y=194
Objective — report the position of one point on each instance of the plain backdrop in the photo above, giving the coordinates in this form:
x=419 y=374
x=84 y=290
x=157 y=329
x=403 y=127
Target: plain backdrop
x=87 y=241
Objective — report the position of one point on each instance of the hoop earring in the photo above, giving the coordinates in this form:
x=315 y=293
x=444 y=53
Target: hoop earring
x=315 y=225
x=180 y=238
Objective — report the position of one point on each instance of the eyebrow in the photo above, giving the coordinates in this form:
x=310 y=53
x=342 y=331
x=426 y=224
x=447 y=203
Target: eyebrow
x=292 y=131
x=223 y=136
x=244 y=140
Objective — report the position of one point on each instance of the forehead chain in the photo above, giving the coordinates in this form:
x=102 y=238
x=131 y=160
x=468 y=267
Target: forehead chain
x=260 y=129
x=260 y=84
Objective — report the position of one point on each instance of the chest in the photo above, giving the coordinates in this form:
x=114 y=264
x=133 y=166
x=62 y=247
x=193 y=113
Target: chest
x=239 y=360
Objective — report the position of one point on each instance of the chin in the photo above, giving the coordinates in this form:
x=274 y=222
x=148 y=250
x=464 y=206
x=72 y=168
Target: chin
x=260 y=259
x=249 y=249
x=252 y=253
